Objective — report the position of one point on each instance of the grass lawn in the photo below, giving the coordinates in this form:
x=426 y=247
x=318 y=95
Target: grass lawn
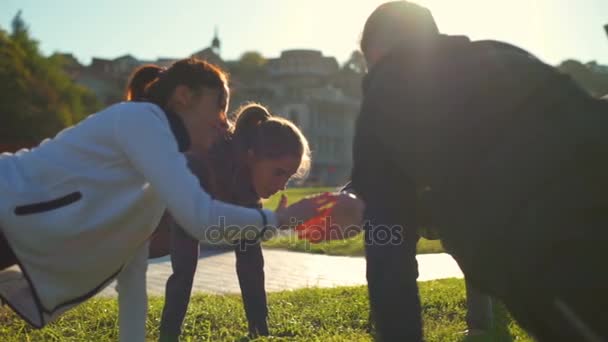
x=294 y=195
x=349 y=247
x=338 y=314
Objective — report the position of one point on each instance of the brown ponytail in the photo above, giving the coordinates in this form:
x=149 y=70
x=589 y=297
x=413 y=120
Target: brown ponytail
x=155 y=84
x=267 y=136
x=248 y=120
x=139 y=80
x=270 y=137
x=194 y=73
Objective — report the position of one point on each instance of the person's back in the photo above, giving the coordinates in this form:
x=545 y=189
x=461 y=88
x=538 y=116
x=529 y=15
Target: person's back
x=68 y=147
x=506 y=152
x=64 y=182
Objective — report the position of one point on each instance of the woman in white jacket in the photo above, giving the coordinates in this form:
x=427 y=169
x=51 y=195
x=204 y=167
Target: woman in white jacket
x=75 y=209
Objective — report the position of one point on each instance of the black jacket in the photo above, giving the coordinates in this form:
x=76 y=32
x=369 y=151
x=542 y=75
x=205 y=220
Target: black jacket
x=496 y=150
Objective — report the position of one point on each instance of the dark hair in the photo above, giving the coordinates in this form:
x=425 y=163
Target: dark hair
x=156 y=85
x=139 y=79
x=396 y=21
x=267 y=136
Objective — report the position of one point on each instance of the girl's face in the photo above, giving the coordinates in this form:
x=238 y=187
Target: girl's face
x=270 y=175
x=204 y=115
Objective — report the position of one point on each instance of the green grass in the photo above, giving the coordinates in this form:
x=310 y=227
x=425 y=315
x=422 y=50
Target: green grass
x=293 y=195
x=337 y=314
x=348 y=247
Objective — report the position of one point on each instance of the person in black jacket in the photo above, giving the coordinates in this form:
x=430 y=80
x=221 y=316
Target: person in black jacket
x=502 y=155
x=479 y=316
x=392 y=269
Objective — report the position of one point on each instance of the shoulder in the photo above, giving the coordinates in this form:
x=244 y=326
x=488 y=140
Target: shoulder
x=500 y=48
x=133 y=111
x=129 y=116
x=137 y=109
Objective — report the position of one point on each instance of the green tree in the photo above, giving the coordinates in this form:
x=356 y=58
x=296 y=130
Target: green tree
x=351 y=74
x=38 y=98
x=594 y=82
x=18 y=24
x=356 y=63
x=249 y=67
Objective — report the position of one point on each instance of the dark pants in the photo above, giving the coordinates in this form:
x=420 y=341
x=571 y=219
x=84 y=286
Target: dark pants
x=7 y=257
x=392 y=271
x=250 y=270
x=581 y=317
x=566 y=300
x=184 y=259
x=479 y=309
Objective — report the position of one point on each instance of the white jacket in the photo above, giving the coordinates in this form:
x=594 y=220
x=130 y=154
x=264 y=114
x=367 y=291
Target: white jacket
x=76 y=208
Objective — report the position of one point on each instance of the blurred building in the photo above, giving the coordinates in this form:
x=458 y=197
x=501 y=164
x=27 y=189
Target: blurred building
x=301 y=85
x=599 y=68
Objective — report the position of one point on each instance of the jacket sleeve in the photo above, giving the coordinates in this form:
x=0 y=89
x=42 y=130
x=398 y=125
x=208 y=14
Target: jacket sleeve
x=151 y=148
x=383 y=148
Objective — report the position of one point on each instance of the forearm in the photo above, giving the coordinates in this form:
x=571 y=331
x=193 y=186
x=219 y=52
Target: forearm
x=153 y=152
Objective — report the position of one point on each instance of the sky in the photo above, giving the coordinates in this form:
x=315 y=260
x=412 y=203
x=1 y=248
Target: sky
x=554 y=30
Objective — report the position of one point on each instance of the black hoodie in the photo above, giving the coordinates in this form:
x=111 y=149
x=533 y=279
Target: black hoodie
x=480 y=141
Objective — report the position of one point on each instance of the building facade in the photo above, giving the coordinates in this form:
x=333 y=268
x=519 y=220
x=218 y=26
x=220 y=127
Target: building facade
x=301 y=85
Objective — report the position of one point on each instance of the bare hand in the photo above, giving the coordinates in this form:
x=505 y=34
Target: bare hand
x=282 y=203
x=346 y=216
x=347 y=210
x=303 y=210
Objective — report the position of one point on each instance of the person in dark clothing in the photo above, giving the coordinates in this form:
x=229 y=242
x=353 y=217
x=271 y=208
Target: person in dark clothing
x=392 y=269
x=479 y=314
x=502 y=155
x=262 y=154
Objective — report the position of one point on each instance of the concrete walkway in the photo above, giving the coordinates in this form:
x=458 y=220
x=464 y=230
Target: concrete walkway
x=286 y=270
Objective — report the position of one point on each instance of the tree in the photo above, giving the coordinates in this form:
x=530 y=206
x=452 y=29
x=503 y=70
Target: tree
x=252 y=60
x=38 y=99
x=596 y=83
x=249 y=67
x=351 y=74
x=356 y=63
x=18 y=24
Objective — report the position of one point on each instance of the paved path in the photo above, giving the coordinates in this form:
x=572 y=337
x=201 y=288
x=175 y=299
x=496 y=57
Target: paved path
x=286 y=270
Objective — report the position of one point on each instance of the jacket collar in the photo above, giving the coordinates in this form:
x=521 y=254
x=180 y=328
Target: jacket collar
x=177 y=127
x=179 y=130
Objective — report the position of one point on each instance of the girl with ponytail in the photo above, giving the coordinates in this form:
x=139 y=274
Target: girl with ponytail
x=80 y=206
x=259 y=156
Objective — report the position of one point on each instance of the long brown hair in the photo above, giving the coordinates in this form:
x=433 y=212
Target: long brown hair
x=155 y=84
